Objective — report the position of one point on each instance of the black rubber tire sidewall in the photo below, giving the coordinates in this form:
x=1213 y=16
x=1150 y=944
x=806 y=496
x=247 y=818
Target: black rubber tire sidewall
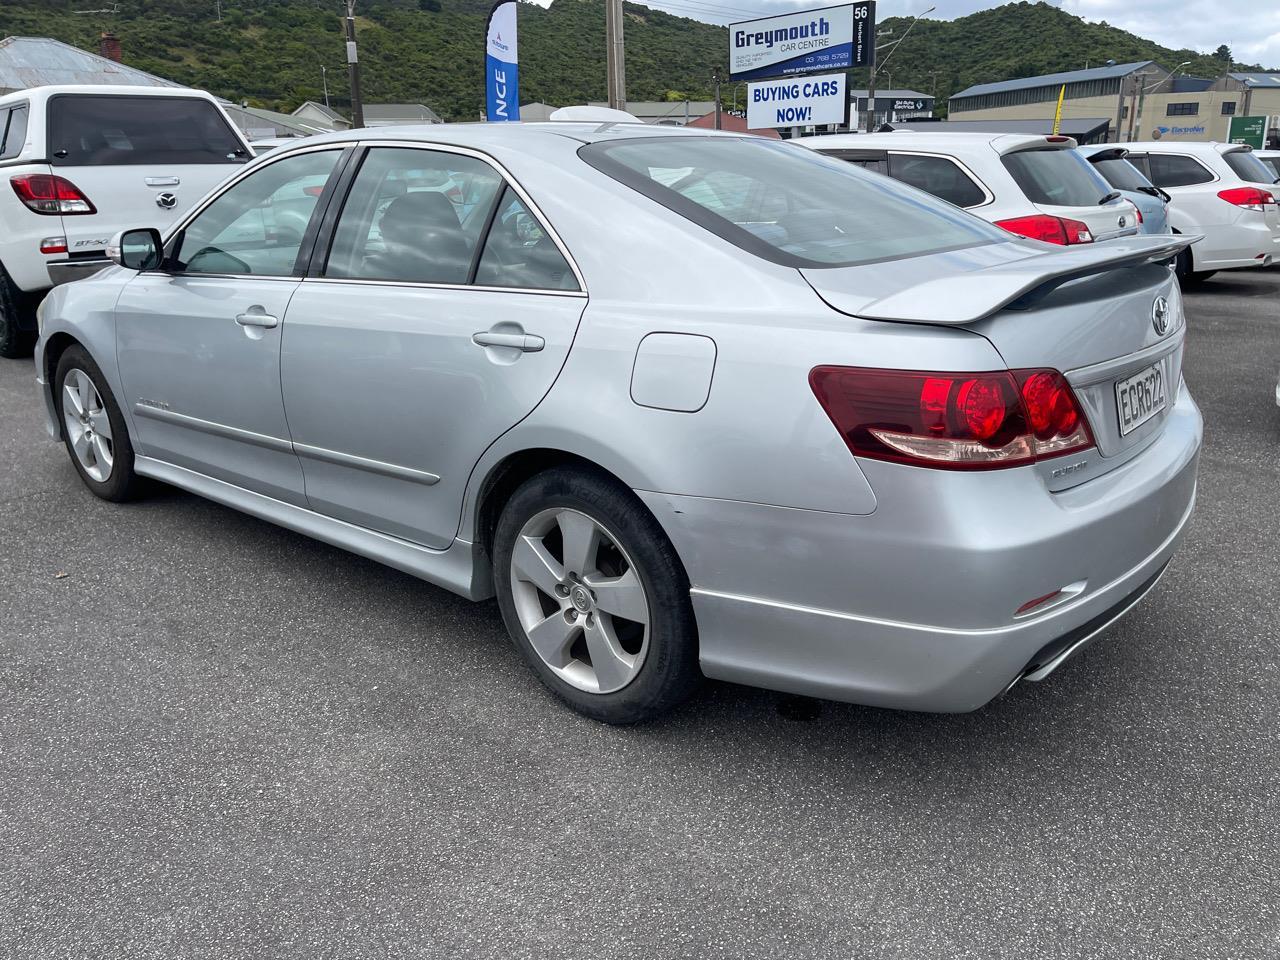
x=15 y=342
x=670 y=671
x=123 y=484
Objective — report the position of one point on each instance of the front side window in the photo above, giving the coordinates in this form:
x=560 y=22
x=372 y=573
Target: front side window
x=518 y=252
x=939 y=176
x=413 y=216
x=1059 y=178
x=104 y=130
x=1248 y=167
x=786 y=203
x=256 y=227
x=1176 y=170
x=13 y=131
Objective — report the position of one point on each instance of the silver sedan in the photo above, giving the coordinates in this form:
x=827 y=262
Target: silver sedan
x=689 y=404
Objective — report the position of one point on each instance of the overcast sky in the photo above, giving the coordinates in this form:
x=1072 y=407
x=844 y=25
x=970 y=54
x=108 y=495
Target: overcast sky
x=1251 y=28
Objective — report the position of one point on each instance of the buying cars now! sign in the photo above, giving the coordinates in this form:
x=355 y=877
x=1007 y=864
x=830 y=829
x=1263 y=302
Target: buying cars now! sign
x=797 y=102
x=829 y=38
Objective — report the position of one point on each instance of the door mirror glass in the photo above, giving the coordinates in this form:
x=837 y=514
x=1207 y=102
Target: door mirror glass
x=136 y=249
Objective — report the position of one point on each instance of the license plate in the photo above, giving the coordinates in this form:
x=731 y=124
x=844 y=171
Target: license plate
x=1139 y=398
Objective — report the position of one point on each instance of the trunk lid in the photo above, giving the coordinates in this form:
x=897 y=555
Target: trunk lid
x=1088 y=311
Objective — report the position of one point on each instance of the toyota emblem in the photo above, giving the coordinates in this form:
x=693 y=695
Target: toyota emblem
x=166 y=201
x=1122 y=222
x=1160 y=316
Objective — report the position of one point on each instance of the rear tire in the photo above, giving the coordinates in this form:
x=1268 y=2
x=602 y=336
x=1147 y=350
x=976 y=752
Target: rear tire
x=93 y=428
x=17 y=315
x=583 y=566
x=1188 y=276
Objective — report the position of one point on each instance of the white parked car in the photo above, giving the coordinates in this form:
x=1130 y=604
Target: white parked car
x=1034 y=186
x=83 y=163
x=1221 y=191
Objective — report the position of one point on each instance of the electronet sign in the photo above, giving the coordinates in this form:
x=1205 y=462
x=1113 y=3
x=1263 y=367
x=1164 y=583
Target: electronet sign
x=797 y=102
x=829 y=38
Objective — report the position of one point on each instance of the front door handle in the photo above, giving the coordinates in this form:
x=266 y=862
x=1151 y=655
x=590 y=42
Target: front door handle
x=525 y=342
x=257 y=320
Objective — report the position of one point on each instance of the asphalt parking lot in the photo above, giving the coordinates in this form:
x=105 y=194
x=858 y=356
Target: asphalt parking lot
x=220 y=739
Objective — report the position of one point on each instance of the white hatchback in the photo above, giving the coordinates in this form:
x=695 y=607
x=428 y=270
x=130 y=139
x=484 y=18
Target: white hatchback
x=1034 y=186
x=1221 y=191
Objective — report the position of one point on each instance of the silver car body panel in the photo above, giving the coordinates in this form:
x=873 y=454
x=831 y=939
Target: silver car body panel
x=812 y=570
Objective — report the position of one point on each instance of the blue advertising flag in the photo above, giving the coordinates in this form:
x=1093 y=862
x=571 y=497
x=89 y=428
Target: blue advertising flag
x=501 y=64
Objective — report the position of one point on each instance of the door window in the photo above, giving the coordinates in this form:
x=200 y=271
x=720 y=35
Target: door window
x=939 y=176
x=1176 y=170
x=518 y=252
x=256 y=227
x=413 y=216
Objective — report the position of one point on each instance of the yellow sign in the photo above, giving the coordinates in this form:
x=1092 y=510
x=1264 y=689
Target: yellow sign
x=1057 y=115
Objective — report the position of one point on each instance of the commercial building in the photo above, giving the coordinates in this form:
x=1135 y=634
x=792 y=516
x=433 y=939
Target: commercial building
x=891 y=106
x=1142 y=100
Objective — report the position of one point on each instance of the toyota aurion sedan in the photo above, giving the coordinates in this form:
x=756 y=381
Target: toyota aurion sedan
x=688 y=403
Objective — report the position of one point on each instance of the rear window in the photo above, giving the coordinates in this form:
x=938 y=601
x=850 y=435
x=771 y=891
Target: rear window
x=1122 y=175
x=1177 y=170
x=112 y=131
x=1249 y=168
x=1059 y=178
x=786 y=203
x=937 y=175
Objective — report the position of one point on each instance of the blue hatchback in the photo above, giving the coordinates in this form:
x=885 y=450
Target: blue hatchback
x=1150 y=200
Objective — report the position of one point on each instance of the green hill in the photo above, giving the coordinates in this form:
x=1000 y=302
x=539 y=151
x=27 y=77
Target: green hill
x=269 y=52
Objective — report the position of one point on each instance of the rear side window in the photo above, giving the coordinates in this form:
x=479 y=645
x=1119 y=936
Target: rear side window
x=1122 y=175
x=117 y=131
x=519 y=253
x=939 y=176
x=13 y=131
x=786 y=203
x=1176 y=170
x=1273 y=163
x=1248 y=167
x=1059 y=178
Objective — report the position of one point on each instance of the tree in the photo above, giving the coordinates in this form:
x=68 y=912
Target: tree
x=1223 y=53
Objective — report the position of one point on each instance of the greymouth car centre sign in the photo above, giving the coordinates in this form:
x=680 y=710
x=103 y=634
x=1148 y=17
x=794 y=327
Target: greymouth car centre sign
x=829 y=38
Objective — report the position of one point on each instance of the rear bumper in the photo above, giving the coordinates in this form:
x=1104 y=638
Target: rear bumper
x=1237 y=245
x=67 y=271
x=913 y=607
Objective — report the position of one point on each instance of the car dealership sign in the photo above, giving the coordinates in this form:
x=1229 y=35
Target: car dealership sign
x=830 y=38
x=797 y=102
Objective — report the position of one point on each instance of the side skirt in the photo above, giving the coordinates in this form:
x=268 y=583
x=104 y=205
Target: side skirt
x=455 y=568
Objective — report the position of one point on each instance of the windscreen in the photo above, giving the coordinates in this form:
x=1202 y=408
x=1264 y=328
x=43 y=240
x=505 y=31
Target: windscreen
x=113 y=130
x=1249 y=168
x=1122 y=175
x=788 y=204
x=1058 y=178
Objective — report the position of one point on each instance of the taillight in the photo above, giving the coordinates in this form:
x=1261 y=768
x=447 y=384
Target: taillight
x=50 y=195
x=957 y=421
x=1251 y=198
x=1041 y=226
x=1139 y=215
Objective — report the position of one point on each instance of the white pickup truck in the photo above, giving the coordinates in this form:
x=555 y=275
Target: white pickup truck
x=83 y=162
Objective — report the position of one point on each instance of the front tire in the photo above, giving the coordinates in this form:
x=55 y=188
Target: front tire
x=16 y=316
x=93 y=428
x=595 y=597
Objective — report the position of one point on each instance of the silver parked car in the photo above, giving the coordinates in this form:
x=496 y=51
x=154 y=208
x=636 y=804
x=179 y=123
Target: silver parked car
x=687 y=403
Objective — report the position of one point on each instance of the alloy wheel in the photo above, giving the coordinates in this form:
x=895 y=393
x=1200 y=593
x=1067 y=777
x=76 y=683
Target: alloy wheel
x=580 y=600
x=87 y=424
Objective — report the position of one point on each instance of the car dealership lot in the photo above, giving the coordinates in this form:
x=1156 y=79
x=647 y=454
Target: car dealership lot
x=223 y=739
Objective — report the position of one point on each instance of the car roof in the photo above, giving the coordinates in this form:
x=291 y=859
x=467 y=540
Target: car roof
x=1183 y=146
x=513 y=134
x=949 y=143
x=35 y=94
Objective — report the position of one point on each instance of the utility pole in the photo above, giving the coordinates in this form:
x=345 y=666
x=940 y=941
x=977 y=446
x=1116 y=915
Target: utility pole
x=353 y=67
x=615 y=55
x=715 y=75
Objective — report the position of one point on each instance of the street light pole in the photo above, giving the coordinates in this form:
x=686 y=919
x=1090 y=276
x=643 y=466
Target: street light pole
x=877 y=65
x=353 y=67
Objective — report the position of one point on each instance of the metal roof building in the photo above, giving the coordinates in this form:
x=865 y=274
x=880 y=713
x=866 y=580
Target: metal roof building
x=27 y=62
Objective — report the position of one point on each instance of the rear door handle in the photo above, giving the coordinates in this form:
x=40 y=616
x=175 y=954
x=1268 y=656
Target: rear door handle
x=257 y=320
x=526 y=342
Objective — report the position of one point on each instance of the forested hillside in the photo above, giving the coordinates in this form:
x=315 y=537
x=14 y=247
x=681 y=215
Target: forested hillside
x=269 y=52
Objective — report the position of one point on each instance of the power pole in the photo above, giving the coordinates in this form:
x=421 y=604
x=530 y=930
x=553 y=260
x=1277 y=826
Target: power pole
x=615 y=56
x=716 y=77
x=353 y=67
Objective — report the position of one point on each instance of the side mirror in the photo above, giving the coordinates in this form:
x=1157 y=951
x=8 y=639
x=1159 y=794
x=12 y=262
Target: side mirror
x=140 y=249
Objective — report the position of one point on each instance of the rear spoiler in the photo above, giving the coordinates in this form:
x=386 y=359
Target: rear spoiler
x=971 y=296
